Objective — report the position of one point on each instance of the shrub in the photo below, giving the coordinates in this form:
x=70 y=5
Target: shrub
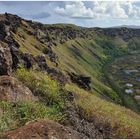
x=52 y=95
x=42 y=85
x=6 y=116
x=12 y=117
x=27 y=111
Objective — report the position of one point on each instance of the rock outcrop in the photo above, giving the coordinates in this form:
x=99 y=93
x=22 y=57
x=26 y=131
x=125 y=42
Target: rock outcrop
x=12 y=90
x=28 y=60
x=124 y=33
x=58 y=75
x=52 y=56
x=41 y=61
x=42 y=129
x=81 y=80
x=52 y=72
x=16 y=57
x=88 y=127
x=5 y=60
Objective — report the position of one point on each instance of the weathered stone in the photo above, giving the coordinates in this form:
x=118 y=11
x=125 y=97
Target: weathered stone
x=57 y=75
x=81 y=81
x=71 y=96
x=78 y=122
x=52 y=56
x=52 y=72
x=2 y=31
x=12 y=90
x=43 y=129
x=16 y=57
x=40 y=59
x=28 y=60
x=5 y=60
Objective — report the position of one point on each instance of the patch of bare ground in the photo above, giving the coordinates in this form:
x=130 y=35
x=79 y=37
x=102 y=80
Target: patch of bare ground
x=42 y=129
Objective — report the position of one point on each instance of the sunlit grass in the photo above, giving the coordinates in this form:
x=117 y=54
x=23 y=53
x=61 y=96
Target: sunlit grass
x=124 y=122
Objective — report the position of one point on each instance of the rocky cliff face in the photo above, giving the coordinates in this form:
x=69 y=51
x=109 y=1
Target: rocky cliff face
x=124 y=33
x=5 y=60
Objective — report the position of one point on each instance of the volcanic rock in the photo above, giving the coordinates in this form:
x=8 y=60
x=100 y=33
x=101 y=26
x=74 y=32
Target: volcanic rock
x=42 y=129
x=12 y=90
x=5 y=60
x=81 y=81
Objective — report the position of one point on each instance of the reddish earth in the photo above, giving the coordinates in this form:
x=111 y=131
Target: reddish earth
x=42 y=129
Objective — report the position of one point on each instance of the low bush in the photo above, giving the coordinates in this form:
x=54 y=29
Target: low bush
x=42 y=85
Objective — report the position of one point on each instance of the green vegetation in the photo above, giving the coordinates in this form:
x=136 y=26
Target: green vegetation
x=111 y=47
x=28 y=43
x=117 y=75
x=41 y=85
x=62 y=26
x=15 y=115
x=51 y=103
x=124 y=122
x=134 y=44
x=87 y=57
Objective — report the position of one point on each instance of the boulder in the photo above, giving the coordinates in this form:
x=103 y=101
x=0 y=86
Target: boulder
x=8 y=23
x=70 y=96
x=28 y=60
x=57 y=75
x=12 y=90
x=49 y=52
x=81 y=80
x=16 y=57
x=42 y=129
x=2 y=31
x=41 y=61
x=5 y=60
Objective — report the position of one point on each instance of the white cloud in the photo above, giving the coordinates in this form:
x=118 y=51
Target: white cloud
x=100 y=9
x=103 y=13
x=76 y=9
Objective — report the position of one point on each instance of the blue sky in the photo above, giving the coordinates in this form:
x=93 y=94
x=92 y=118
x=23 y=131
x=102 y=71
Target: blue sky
x=83 y=13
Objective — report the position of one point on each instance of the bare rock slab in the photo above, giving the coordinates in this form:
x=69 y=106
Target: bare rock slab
x=12 y=90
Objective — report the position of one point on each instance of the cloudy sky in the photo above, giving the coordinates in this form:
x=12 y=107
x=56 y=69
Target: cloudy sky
x=83 y=13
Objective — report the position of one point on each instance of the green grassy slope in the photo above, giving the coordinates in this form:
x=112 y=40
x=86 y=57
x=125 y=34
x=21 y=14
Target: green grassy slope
x=124 y=123
x=87 y=56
